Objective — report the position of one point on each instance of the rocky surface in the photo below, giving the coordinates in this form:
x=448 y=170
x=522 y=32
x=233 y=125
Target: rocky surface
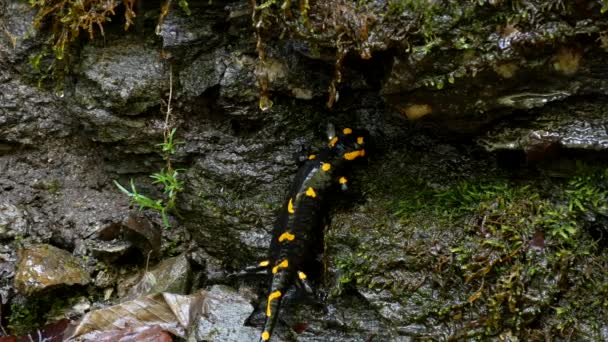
x=14 y=221
x=42 y=267
x=173 y=275
x=223 y=318
x=581 y=126
x=480 y=78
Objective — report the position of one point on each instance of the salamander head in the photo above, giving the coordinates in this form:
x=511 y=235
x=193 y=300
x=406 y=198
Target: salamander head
x=349 y=144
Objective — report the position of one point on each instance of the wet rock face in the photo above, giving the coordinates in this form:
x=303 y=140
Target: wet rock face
x=173 y=275
x=28 y=115
x=60 y=190
x=44 y=266
x=204 y=73
x=127 y=78
x=224 y=317
x=13 y=221
x=8 y=260
x=201 y=30
x=18 y=38
x=464 y=65
x=573 y=126
x=484 y=59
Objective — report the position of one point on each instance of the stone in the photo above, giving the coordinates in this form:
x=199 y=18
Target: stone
x=172 y=275
x=224 y=317
x=13 y=221
x=42 y=267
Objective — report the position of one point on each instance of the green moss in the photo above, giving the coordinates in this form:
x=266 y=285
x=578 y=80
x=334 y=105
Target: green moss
x=522 y=249
x=68 y=18
x=23 y=318
x=480 y=253
x=33 y=313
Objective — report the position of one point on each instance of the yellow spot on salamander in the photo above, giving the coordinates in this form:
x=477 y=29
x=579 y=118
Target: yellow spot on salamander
x=354 y=154
x=264 y=263
x=265 y=336
x=347 y=131
x=326 y=166
x=290 y=207
x=271 y=297
x=342 y=180
x=311 y=193
x=333 y=142
x=312 y=156
x=301 y=275
x=360 y=140
x=283 y=264
x=286 y=236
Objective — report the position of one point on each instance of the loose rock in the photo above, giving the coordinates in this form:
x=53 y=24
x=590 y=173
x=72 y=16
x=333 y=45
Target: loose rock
x=41 y=267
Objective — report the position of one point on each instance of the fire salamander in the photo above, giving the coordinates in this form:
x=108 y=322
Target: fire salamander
x=299 y=225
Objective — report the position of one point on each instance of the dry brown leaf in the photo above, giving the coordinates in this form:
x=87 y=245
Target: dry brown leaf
x=168 y=311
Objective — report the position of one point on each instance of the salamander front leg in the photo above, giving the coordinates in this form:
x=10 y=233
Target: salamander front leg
x=316 y=298
x=343 y=181
x=305 y=284
x=259 y=269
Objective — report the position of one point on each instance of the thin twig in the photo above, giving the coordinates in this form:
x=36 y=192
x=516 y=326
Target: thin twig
x=167 y=115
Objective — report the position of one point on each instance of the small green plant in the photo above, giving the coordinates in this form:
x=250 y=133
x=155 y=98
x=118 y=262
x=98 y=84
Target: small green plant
x=168 y=177
x=559 y=222
x=145 y=202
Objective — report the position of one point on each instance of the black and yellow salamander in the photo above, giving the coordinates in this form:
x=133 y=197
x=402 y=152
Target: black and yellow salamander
x=300 y=223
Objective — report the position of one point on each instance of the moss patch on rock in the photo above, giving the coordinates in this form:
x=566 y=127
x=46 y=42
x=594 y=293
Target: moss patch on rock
x=491 y=254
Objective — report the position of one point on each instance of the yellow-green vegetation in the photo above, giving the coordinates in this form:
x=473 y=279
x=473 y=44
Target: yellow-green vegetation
x=33 y=313
x=487 y=256
x=445 y=41
x=23 y=318
x=522 y=243
x=167 y=177
x=69 y=17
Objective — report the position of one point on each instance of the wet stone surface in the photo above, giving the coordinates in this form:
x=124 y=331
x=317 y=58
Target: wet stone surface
x=580 y=125
x=8 y=259
x=13 y=221
x=395 y=271
x=173 y=275
x=18 y=37
x=42 y=267
x=127 y=78
x=224 y=317
x=28 y=114
x=200 y=29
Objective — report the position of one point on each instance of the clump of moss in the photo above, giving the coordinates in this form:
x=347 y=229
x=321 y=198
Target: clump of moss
x=525 y=254
x=493 y=255
x=33 y=313
x=24 y=318
x=68 y=18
